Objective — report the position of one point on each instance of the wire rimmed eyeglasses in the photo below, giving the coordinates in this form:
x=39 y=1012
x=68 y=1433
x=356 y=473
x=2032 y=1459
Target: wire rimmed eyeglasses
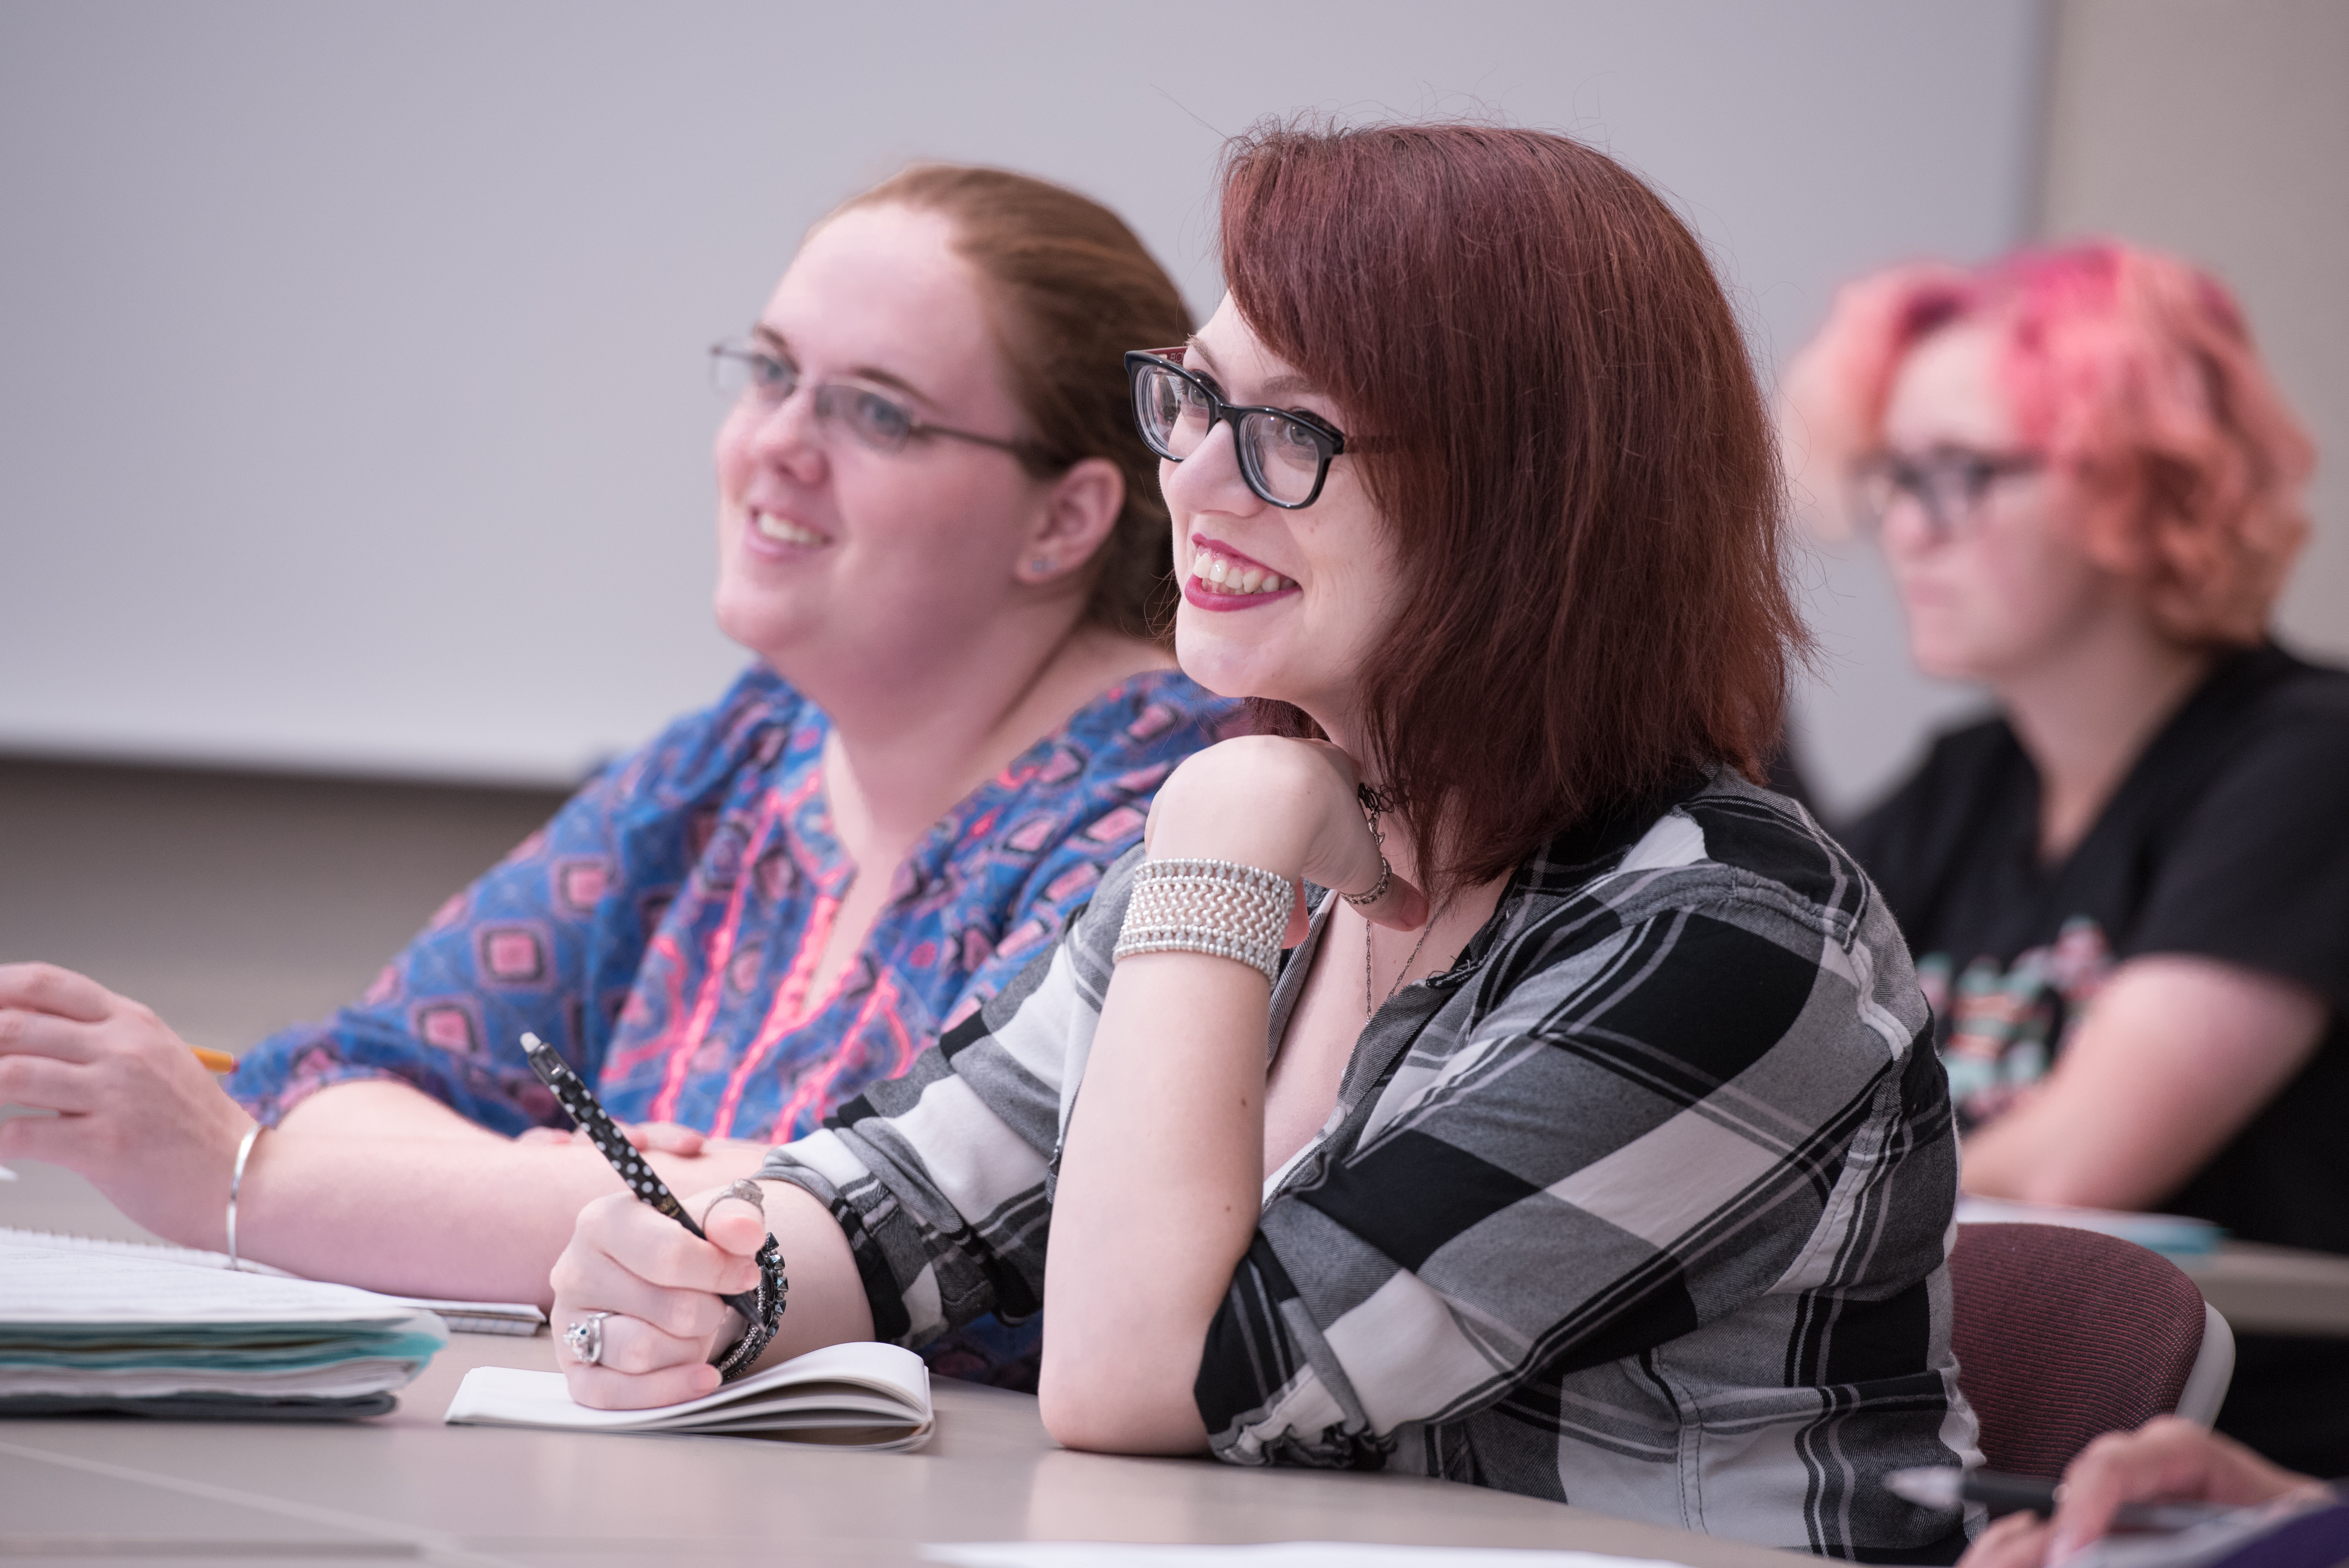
x=1284 y=453
x=750 y=372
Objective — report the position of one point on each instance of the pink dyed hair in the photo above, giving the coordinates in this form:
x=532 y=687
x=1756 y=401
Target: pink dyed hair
x=2125 y=367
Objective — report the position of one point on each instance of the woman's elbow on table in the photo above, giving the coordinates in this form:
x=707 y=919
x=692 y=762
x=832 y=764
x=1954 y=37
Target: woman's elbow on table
x=1118 y=1402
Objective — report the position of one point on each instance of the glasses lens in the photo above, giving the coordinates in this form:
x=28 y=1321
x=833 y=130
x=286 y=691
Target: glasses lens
x=1173 y=412
x=1284 y=456
x=872 y=419
x=742 y=372
x=1874 y=485
x=1955 y=485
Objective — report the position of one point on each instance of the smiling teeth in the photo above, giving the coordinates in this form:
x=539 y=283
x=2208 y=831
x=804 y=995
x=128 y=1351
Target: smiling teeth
x=770 y=526
x=1227 y=575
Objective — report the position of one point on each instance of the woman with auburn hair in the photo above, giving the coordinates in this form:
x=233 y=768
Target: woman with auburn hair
x=2088 y=491
x=942 y=538
x=1481 y=1077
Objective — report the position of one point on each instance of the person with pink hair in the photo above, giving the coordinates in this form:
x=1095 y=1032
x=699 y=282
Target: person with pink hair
x=2127 y=892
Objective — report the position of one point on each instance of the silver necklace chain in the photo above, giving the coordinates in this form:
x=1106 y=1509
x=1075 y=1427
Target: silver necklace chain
x=1369 y=1006
x=1371 y=1002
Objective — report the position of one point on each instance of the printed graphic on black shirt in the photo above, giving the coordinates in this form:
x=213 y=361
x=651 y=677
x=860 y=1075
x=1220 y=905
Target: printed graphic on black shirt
x=2000 y=1026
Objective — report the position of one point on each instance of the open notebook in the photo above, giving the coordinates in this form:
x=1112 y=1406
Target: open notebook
x=92 y=1330
x=864 y=1395
x=462 y=1317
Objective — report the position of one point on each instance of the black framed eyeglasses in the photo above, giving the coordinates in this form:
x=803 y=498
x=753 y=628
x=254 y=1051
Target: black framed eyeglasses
x=749 y=371
x=1949 y=483
x=1284 y=453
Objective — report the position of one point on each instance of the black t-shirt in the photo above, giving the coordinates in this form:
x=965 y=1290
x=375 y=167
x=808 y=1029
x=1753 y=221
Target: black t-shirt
x=2229 y=839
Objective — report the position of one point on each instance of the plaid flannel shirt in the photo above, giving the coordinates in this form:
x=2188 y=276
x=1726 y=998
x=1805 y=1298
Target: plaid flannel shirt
x=1644 y=1204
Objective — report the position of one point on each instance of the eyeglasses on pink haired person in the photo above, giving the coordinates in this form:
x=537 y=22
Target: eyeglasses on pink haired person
x=2127 y=892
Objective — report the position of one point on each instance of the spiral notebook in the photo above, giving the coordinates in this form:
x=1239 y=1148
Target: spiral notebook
x=864 y=1395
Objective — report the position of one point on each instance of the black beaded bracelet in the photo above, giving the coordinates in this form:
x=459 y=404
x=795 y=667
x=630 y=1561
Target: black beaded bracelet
x=774 y=1286
x=762 y=1308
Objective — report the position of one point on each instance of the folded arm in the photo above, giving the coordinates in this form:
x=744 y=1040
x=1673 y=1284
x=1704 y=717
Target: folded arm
x=2242 y=949
x=2176 y=1056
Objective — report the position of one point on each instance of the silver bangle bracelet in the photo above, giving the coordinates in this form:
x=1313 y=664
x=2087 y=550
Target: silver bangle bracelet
x=236 y=1185
x=1378 y=890
x=1219 y=908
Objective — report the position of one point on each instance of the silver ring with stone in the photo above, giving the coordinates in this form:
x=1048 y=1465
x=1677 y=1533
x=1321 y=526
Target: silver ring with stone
x=585 y=1338
x=748 y=1192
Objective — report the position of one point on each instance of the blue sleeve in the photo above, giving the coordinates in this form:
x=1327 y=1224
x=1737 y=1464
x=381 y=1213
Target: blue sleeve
x=546 y=940
x=507 y=954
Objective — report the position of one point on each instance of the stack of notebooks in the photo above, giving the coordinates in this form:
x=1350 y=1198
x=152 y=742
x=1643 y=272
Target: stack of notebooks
x=87 y=1332
x=462 y=1317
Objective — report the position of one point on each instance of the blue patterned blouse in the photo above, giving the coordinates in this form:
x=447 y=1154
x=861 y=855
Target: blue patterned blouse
x=663 y=929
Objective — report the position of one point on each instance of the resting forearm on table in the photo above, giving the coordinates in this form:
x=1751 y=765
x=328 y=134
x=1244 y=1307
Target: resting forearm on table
x=1160 y=1186
x=433 y=1216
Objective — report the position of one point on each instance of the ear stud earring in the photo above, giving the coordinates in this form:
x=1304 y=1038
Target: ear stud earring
x=1040 y=565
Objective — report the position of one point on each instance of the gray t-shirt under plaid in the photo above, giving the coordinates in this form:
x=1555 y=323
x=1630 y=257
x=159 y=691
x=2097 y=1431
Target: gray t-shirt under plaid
x=1644 y=1204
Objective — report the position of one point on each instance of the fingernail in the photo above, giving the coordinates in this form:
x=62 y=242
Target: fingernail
x=2063 y=1543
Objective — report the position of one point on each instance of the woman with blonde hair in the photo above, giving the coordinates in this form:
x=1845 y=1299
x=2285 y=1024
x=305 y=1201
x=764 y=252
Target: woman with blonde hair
x=2128 y=891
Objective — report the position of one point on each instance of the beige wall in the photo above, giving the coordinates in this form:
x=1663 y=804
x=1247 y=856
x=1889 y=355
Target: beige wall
x=2221 y=131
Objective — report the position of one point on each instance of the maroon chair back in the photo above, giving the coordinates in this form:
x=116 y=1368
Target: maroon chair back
x=2063 y=1336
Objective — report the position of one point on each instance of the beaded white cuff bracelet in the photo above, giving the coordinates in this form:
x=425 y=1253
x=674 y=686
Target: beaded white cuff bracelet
x=1220 y=908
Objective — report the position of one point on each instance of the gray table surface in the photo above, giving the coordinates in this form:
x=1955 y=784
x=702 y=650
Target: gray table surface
x=2259 y=1289
x=406 y=1487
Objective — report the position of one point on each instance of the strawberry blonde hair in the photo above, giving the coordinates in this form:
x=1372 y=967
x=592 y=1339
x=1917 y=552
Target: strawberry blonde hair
x=1071 y=289
x=2126 y=368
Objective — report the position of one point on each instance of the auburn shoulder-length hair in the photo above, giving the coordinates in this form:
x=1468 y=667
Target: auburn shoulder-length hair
x=2126 y=368
x=1570 y=448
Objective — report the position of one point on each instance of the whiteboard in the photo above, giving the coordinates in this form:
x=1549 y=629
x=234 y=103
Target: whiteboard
x=352 y=409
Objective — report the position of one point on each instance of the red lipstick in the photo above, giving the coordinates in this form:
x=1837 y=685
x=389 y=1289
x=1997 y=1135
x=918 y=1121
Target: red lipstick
x=1205 y=595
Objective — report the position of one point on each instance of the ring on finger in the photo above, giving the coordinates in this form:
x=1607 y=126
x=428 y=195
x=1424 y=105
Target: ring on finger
x=748 y=1192
x=585 y=1338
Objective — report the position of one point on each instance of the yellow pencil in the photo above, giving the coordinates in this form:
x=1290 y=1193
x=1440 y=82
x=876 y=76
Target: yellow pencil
x=214 y=1061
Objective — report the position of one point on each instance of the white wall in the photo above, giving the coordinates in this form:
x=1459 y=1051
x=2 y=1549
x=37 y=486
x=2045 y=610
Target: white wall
x=351 y=408
x=2221 y=132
